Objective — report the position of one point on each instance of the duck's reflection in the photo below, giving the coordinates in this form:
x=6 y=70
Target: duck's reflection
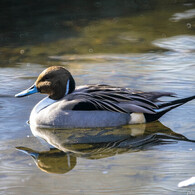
x=52 y=161
x=96 y=143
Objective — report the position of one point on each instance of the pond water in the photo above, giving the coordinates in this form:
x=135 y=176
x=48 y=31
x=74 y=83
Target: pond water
x=148 y=46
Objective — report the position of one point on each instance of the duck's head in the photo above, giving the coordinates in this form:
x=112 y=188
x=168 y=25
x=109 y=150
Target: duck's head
x=55 y=81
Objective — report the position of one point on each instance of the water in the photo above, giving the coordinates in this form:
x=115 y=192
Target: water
x=147 y=47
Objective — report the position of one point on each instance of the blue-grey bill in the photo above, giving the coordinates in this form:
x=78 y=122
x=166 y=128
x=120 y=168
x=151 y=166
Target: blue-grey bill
x=29 y=91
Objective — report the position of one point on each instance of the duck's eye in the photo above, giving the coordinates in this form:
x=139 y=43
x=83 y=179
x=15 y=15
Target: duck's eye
x=45 y=78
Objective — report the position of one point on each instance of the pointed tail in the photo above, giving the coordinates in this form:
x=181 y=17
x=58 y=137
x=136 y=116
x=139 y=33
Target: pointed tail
x=165 y=107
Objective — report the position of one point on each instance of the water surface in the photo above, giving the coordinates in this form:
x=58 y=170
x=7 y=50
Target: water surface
x=147 y=47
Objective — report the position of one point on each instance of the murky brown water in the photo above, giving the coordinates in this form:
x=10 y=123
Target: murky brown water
x=151 y=48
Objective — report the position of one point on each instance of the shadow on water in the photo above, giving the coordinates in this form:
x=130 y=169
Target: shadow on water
x=71 y=144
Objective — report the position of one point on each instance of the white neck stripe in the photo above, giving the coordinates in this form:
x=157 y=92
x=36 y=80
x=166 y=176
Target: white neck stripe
x=67 y=87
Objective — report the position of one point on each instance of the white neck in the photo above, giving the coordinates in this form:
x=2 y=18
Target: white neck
x=43 y=104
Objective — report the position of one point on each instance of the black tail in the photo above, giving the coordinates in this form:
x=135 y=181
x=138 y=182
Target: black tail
x=165 y=107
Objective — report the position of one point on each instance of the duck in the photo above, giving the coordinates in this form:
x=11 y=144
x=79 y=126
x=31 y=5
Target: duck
x=93 y=105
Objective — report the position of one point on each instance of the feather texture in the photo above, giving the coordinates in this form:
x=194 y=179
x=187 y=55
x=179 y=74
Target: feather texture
x=115 y=99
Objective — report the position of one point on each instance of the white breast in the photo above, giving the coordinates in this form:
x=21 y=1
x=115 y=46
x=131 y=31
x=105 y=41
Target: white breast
x=40 y=106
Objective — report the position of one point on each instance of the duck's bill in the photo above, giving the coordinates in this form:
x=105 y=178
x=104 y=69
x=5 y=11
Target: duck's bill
x=29 y=91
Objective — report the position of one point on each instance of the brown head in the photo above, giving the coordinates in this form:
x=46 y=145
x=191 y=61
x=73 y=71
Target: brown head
x=55 y=81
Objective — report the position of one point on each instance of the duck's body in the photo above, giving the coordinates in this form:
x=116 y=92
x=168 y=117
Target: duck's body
x=92 y=105
x=76 y=111
x=55 y=116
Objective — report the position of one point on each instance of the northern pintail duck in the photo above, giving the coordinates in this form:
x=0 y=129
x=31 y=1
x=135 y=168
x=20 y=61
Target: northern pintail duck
x=92 y=105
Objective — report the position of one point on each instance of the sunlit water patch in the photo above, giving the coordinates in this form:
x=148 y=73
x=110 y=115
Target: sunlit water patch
x=188 y=14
